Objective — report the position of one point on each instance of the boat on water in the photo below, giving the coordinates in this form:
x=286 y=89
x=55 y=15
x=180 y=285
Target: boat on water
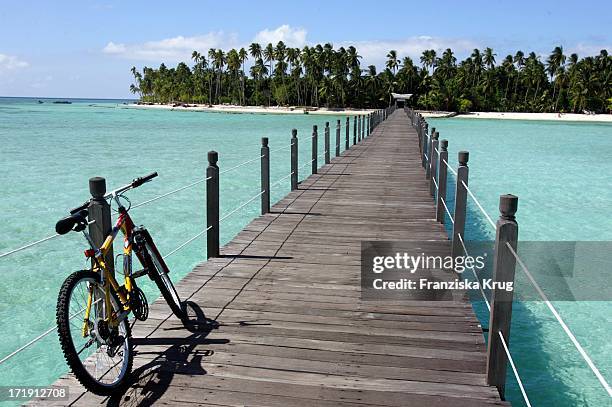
x=62 y=102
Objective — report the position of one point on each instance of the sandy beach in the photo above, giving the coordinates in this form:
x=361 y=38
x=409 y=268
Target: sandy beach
x=563 y=117
x=254 y=109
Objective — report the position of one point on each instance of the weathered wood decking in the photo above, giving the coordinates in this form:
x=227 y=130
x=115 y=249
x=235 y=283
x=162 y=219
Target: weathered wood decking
x=292 y=330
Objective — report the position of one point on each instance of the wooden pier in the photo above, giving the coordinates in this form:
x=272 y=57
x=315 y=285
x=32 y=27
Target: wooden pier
x=291 y=328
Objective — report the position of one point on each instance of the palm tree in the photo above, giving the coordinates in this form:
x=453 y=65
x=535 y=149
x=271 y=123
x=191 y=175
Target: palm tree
x=322 y=75
x=392 y=61
x=477 y=60
x=268 y=54
x=428 y=59
x=489 y=58
x=519 y=60
x=554 y=63
x=242 y=57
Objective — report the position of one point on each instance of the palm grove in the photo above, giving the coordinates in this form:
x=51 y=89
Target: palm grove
x=324 y=76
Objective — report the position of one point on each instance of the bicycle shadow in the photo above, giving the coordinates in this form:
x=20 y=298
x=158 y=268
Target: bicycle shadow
x=151 y=381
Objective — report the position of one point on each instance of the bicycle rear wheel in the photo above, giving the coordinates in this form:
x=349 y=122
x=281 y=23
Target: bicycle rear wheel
x=100 y=357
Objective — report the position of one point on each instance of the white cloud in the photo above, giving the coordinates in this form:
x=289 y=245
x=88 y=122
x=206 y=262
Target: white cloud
x=375 y=52
x=171 y=49
x=583 y=49
x=292 y=37
x=179 y=48
x=9 y=62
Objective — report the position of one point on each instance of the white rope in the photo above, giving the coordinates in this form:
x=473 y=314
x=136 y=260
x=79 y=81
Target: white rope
x=447 y=211
x=282 y=179
x=28 y=245
x=479 y=205
x=241 y=164
x=475 y=275
x=435 y=183
x=171 y=192
x=569 y=333
x=241 y=206
x=187 y=242
x=282 y=148
x=518 y=379
x=450 y=168
x=425 y=155
x=39 y=337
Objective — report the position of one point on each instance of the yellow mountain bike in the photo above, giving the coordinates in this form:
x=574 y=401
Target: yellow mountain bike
x=93 y=309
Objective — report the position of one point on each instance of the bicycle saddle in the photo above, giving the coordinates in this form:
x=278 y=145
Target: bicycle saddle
x=76 y=222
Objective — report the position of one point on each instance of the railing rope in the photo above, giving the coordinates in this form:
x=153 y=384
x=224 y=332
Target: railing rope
x=27 y=246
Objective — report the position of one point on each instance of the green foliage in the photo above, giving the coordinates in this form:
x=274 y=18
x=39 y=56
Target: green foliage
x=324 y=76
x=464 y=105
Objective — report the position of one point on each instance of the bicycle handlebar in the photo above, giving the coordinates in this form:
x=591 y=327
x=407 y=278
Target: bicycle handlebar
x=136 y=182
x=141 y=180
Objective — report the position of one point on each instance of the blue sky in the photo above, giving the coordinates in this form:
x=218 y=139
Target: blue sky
x=86 y=48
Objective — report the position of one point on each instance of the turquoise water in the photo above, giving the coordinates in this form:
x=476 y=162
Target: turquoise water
x=560 y=172
x=49 y=151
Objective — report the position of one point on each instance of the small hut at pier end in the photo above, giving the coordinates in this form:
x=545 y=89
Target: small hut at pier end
x=400 y=98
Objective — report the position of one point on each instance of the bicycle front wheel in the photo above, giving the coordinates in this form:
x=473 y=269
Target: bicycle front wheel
x=99 y=356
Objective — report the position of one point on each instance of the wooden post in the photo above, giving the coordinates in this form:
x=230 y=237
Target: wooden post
x=434 y=165
x=338 y=138
x=265 y=176
x=362 y=126
x=100 y=212
x=504 y=264
x=354 y=130
x=442 y=171
x=294 y=160
x=359 y=128
x=460 y=204
x=327 y=147
x=315 y=146
x=430 y=154
x=212 y=205
x=347 y=143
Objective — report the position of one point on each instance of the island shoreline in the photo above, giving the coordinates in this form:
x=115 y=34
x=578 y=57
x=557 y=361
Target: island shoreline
x=294 y=110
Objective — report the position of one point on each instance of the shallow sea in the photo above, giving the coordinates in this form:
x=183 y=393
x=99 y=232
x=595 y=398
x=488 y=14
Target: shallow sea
x=559 y=171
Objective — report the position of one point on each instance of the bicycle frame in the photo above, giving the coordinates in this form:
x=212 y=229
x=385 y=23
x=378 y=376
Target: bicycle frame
x=126 y=226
